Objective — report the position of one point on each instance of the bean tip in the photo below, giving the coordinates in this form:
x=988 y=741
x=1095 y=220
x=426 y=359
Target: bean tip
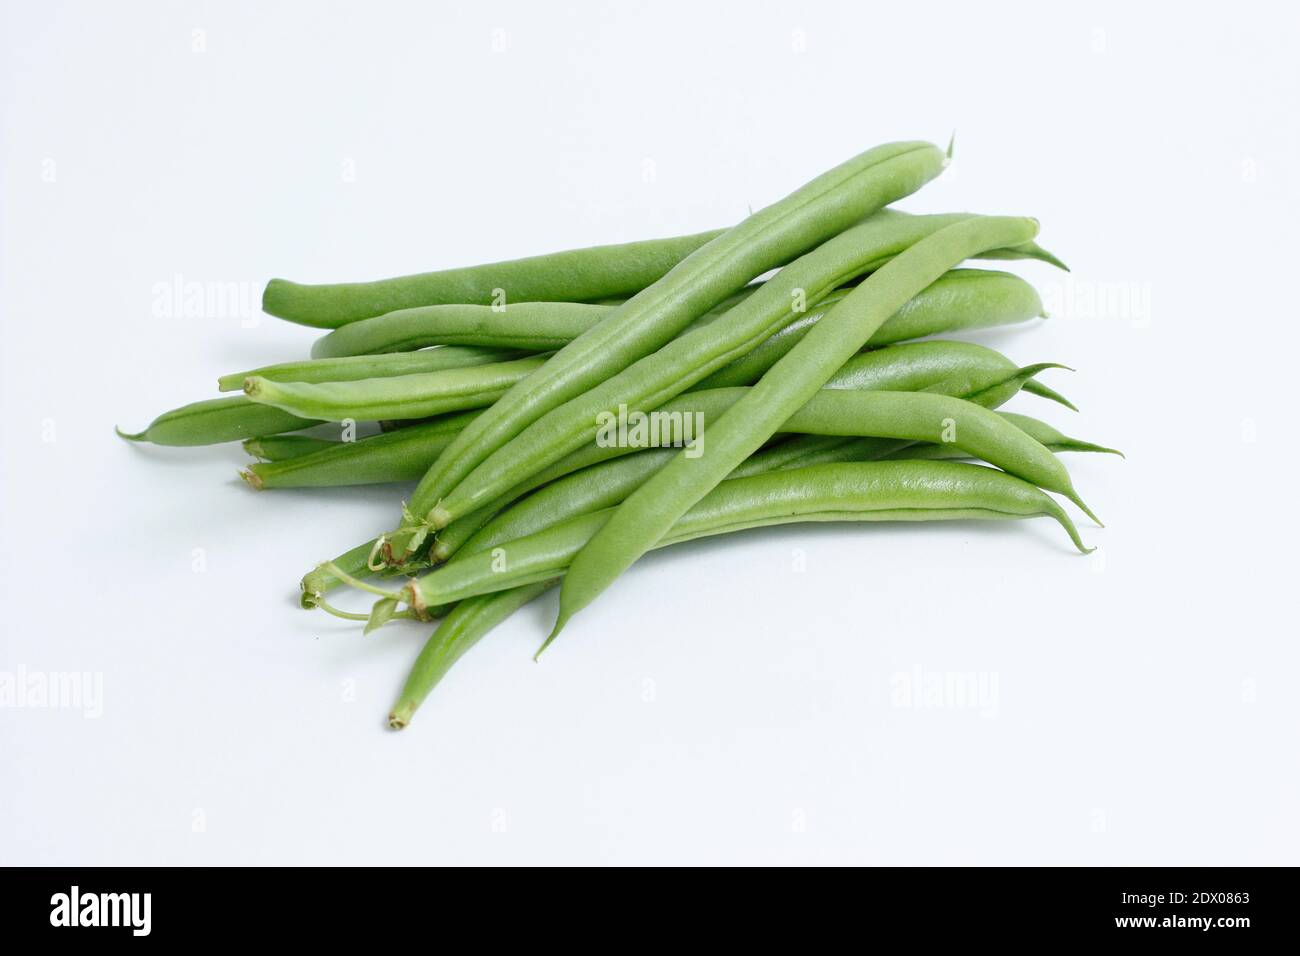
x=560 y=621
x=138 y=436
x=1074 y=496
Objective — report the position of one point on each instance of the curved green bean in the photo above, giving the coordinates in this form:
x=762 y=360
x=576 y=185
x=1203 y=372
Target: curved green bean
x=649 y=513
x=775 y=235
x=575 y=275
x=402 y=396
x=354 y=367
x=1040 y=431
x=216 y=420
x=467 y=623
x=858 y=491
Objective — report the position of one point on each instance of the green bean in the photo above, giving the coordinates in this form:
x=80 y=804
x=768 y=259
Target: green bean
x=527 y=326
x=775 y=235
x=857 y=491
x=402 y=396
x=284 y=447
x=650 y=511
x=962 y=300
x=403 y=455
x=530 y=326
x=352 y=368
x=462 y=629
x=1040 y=431
x=707 y=349
x=804 y=450
x=218 y=420
x=575 y=275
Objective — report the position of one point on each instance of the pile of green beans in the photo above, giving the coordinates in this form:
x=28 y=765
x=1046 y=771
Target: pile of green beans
x=795 y=367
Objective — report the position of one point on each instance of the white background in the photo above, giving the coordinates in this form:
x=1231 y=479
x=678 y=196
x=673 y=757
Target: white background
x=718 y=704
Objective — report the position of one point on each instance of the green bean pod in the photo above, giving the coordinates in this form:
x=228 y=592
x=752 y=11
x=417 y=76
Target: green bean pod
x=216 y=420
x=803 y=220
x=520 y=326
x=463 y=627
x=575 y=275
x=355 y=367
x=1045 y=434
x=961 y=301
x=857 y=491
x=648 y=514
x=403 y=396
x=402 y=455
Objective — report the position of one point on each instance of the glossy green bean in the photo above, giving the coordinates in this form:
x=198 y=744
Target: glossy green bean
x=650 y=511
x=526 y=326
x=353 y=368
x=521 y=326
x=1040 y=431
x=858 y=491
x=575 y=275
x=402 y=455
x=961 y=301
x=461 y=630
x=218 y=420
x=402 y=396
x=775 y=235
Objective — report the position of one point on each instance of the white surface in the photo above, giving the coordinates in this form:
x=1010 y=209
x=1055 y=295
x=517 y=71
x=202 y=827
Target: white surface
x=1144 y=707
